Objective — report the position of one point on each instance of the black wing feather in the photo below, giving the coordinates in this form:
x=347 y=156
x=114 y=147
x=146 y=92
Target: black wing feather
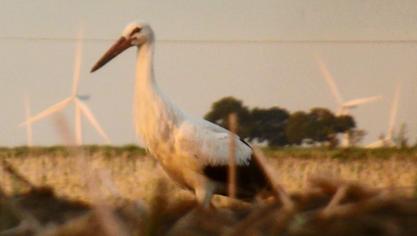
x=251 y=178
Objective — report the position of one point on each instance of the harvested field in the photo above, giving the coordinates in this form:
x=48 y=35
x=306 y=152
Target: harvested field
x=110 y=191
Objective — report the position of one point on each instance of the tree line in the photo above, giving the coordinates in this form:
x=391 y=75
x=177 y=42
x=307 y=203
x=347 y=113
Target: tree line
x=278 y=127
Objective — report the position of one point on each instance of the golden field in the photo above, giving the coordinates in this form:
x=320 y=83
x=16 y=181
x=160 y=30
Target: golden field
x=122 y=191
x=130 y=172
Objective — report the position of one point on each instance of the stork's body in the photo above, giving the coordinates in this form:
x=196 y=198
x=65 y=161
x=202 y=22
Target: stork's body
x=194 y=152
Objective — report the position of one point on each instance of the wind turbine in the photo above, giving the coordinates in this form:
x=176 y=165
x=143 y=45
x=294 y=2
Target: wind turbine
x=29 y=139
x=344 y=107
x=80 y=107
x=387 y=141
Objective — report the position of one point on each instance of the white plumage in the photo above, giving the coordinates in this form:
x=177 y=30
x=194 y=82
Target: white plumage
x=210 y=143
x=193 y=151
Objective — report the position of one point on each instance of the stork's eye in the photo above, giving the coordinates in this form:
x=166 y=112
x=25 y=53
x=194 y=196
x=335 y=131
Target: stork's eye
x=136 y=30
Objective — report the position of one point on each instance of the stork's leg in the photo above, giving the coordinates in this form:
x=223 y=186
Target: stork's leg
x=204 y=193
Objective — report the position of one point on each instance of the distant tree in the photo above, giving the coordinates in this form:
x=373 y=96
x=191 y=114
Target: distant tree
x=278 y=127
x=356 y=136
x=221 y=109
x=344 y=123
x=323 y=123
x=401 y=139
x=318 y=126
x=298 y=128
x=269 y=125
x=326 y=126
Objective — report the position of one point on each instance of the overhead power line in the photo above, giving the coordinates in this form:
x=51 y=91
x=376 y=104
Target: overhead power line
x=227 y=41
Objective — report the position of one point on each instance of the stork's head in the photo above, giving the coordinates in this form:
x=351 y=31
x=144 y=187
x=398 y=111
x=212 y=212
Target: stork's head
x=134 y=34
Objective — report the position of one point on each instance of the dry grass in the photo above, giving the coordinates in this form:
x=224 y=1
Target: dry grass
x=133 y=196
x=133 y=178
x=394 y=172
x=135 y=175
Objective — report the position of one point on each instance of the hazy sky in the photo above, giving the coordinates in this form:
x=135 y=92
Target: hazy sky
x=236 y=47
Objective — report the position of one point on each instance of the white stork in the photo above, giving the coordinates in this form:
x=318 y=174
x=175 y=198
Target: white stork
x=194 y=152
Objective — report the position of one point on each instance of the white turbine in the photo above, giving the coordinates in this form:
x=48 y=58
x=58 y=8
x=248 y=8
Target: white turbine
x=194 y=152
x=387 y=140
x=80 y=107
x=344 y=107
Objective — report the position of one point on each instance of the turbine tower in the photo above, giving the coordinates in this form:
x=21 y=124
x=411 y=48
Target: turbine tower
x=387 y=140
x=80 y=107
x=343 y=107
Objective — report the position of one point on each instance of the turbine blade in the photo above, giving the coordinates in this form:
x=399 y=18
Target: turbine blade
x=90 y=117
x=360 y=101
x=48 y=111
x=330 y=81
x=29 y=125
x=393 y=112
x=77 y=64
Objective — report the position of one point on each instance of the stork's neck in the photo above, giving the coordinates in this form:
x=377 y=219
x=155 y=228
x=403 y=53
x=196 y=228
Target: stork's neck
x=154 y=113
x=144 y=67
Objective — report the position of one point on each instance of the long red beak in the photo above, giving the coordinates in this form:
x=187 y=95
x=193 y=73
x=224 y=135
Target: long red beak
x=117 y=48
